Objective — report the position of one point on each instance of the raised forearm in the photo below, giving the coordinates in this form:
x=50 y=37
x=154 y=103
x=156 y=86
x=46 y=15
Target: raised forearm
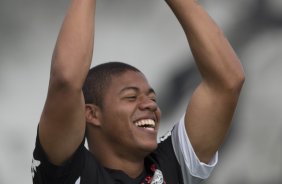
x=72 y=55
x=215 y=58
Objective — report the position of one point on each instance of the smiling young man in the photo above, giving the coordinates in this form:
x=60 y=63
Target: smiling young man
x=115 y=108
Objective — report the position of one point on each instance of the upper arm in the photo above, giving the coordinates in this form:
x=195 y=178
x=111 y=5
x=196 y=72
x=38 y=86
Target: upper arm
x=208 y=118
x=62 y=123
x=213 y=103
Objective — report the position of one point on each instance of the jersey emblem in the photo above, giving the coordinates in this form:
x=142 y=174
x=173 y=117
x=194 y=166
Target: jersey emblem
x=158 y=177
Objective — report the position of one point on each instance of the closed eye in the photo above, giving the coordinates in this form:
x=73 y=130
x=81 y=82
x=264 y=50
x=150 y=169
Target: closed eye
x=153 y=97
x=131 y=98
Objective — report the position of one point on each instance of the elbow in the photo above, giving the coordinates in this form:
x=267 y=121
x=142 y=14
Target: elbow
x=65 y=75
x=61 y=79
x=61 y=82
x=235 y=82
x=230 y=81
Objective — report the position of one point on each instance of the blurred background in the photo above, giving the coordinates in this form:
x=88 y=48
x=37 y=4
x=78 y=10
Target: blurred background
x=146 y=34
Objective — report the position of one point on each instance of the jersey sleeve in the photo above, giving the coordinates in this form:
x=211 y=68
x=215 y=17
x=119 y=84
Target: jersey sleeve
x=193 y=171
x=44 y=172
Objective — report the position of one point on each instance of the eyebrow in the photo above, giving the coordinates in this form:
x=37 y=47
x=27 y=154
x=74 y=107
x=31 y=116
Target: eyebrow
x=151 y=90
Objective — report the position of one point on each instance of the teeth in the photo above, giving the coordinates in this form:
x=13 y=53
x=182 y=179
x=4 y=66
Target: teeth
x=149 y=123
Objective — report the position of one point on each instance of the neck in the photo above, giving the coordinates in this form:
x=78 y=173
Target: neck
x=127 y=161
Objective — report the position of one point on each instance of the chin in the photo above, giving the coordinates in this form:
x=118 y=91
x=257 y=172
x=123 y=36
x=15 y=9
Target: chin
x=149 y=148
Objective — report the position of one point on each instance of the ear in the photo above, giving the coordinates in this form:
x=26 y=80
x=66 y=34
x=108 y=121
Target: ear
x=92 y=114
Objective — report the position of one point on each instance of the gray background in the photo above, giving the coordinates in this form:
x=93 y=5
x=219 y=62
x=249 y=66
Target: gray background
x=146 y=34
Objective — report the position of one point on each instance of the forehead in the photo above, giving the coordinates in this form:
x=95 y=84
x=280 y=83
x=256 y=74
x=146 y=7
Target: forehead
x=129 y=79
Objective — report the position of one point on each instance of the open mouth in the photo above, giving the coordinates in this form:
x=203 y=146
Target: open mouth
x=147 y=124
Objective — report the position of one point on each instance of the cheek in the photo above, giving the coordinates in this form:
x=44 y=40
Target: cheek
x=118 y=127
x=118 y=113
x=117 y=117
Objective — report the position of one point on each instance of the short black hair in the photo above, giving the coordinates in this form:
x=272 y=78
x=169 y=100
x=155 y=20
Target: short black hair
x=99 y=78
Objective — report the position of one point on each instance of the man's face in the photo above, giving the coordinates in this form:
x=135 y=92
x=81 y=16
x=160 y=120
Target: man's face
x=130 y=115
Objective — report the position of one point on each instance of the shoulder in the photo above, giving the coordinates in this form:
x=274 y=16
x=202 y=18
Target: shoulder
x=81 y=166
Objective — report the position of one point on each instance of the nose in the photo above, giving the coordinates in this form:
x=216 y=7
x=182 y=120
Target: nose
x=148 y=104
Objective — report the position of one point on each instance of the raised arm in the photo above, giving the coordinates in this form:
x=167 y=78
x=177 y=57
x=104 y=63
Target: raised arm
x=213 y=103
x=62 y=123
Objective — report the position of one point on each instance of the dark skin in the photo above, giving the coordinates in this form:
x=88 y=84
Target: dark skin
x=122 y=145
x=208 y=115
